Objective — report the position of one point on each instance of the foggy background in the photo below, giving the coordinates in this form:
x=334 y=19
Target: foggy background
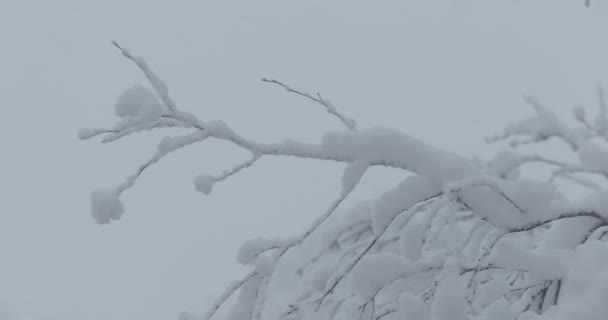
x=448 y=72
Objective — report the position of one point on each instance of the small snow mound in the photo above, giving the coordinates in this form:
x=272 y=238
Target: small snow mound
x=106 y=206
x=251 y=249
x=137 y=101
x=219 y=129
x=166 y=144
x=264 y=265
x=204 y=183
x=171 y=143
x=151 y=111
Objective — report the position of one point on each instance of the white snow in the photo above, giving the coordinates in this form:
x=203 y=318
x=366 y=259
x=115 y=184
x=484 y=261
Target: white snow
x=449 y=302
x=219 y=129
x=321 y=276
x=566 y=234
x=250 y=250
x=106 y=206
x=507 y=204
x=243 y=309
x=412 y=190
x=492 y=290
x=353 y=173
x=86 y=133
x=412 y=236
x=138 y=101
x=544 y=125
x=593 y=156
x=586 y=291
x=506 y=162
x=375 y=271
x=264 y=265
x=542 y=264
x=168 y=144
x=392 y=147
x=351 y=308
x=204 y=183
x=499 y=310
x=412 y=308
x=596 y=202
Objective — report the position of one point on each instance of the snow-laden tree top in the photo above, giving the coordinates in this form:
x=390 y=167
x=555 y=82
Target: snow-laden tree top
x=457 y=239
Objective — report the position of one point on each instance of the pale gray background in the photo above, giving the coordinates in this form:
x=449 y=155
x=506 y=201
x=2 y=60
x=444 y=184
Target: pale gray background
x=448 y=72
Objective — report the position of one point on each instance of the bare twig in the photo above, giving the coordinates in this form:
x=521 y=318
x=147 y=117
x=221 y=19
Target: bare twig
x=349 y=123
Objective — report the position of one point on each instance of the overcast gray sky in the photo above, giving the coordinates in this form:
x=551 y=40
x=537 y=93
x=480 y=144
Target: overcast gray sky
x=448 y=72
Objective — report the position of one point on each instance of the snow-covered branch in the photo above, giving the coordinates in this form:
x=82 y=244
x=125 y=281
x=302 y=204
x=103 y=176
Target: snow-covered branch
x=457 y=239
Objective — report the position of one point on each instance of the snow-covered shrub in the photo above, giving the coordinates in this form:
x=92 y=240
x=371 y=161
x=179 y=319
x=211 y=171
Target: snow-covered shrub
x=457 y=239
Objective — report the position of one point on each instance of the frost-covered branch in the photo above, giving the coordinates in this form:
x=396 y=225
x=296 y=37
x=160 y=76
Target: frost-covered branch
x=232 y=288
x=409 y=206
x=455 y=240
x=543 y=126
x=568 y=215
x=159 y=86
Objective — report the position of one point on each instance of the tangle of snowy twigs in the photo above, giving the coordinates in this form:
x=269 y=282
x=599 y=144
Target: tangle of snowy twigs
x=456 y=239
